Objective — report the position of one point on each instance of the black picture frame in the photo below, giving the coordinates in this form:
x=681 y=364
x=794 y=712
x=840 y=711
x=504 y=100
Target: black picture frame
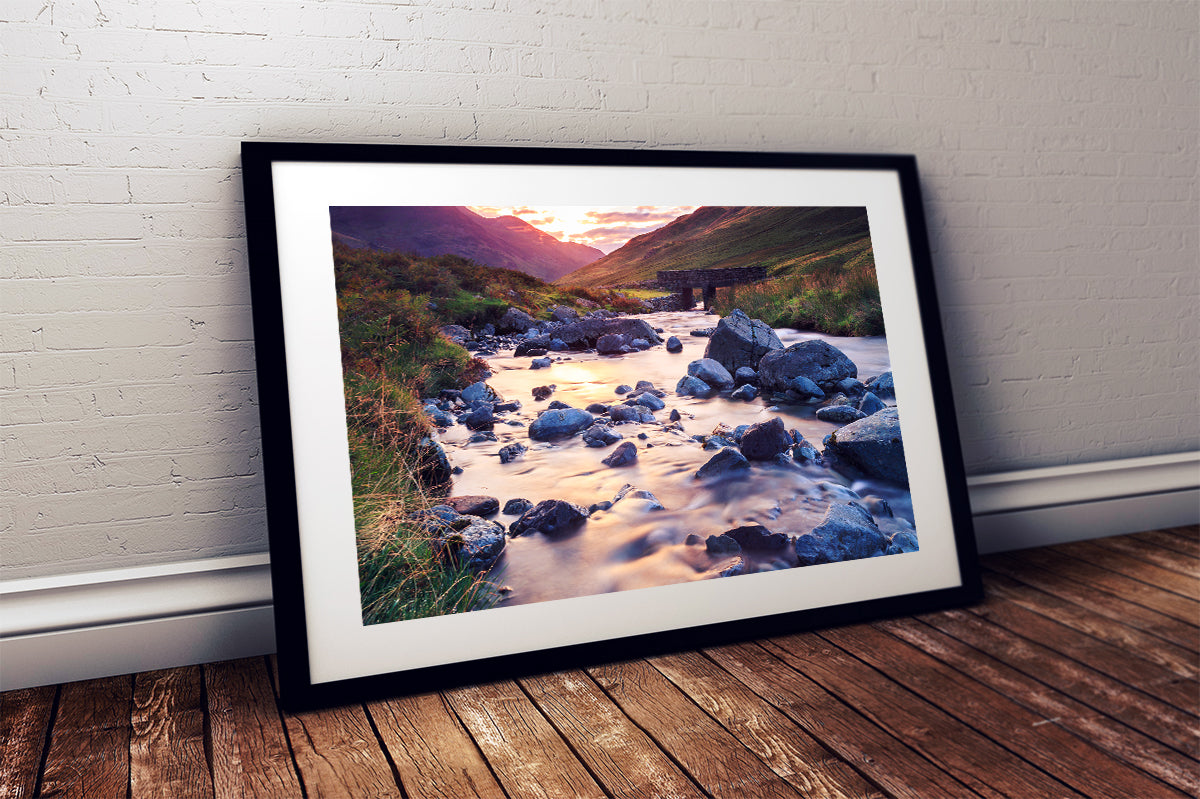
x=279 y=177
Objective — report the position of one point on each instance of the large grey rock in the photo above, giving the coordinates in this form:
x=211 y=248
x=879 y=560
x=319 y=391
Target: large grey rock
x=744 y=375
x=456 y=333
x=840 y=414
x=473 y=505
x=563 y=313
x=515 y=321
x=631 y=413
x=674 y=345
x=532 y=346
x=623 y=455
x=587 y=331
x=629 y=492
x=883 y=386
x=559 y=423
x=765 y=440
x=648 y=400
x=903 y=541
x=549 y=516
x=820 y=362
x=511 y=452
x=722 y=545
x=872 y=445
x=870 y=404
x=599 y=435
x=745 y=392
x=540 y=363
x=481 y=418
x=740 y=341
x=517 y=505
x=611 y=343
x=711 y=372
x=805 y=389
x=847 y=532
x=690 y=386
x=728 y=462
x=477 y=544
x=478 y=391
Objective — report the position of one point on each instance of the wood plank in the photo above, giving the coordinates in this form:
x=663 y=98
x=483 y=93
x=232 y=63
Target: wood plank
x=1015 y=728
x=24 y=721
x=1185 y=540
x=166 y=752
x=716 y=760
x=1139 y=673
x=1166 y=558
x=985 y=766
x=1132 y=641
x=1054 y=706
x=525 y=752
x=89 y=742
x=790 y=751
x=250 y=754
x=1127 y=588
x=337 y=754
x=888 y=762
x=1182 y=584
x=431 y=750
x=1156 y=719
x=1112 y=607
x=619 y=755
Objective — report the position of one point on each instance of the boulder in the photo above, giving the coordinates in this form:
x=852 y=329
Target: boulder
x=711 y=372
x=728 y=462
x=882 y=386
x=559 y=423
x=532 y=346
x=587 y=331
x=549 y=516
x=647 y=400
x=689 y=386
x=873 y=445
x=516 y=506
x=478 y=391
x=623 y=389
x=739 y=341
x=903 y=541
x=563 y=313
x=814 y=359
x=631 y=413
x=456 y=333
x=847 y=532
x=744 y=375
x=840 y=414
x=476 y=545
x=870 y=404
x=623 y=455
x=765 y=440
x=674 y=345
x=755 y=536
x=628 y=492
x=702 y=332
x=745 y=392
x=722 y=545
x=540 y=363
x=805 y=389
x=481 y=418
x=611 y=343
x=473 y=505
x=850 y=386
x=640 y=344
x=542 y=392
x=599 y=435
x=481 y=435
x=511 y=452
x=643 y=385
x=674 y=416
x=515 y=321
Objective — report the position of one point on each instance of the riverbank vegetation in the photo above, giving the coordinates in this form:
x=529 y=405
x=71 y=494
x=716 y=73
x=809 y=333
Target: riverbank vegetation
x=390 y=309
x=836 y=293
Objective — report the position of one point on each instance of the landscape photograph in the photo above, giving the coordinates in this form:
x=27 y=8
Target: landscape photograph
x=554 y=402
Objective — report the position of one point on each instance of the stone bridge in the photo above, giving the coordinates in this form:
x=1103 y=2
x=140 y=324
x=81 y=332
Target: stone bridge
x=708 y=280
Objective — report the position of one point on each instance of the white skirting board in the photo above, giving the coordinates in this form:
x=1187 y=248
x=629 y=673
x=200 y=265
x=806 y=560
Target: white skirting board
x=80 y=626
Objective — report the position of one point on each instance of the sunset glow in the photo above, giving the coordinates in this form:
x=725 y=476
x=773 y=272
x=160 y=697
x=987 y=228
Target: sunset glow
x=604 y=227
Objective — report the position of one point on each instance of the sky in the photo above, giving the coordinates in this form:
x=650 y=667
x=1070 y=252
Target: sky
x=604 y=227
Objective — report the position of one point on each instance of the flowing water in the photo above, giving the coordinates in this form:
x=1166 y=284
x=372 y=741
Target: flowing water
x=628 y=546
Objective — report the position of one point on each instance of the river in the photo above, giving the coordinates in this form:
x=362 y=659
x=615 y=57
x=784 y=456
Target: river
x=628 y=547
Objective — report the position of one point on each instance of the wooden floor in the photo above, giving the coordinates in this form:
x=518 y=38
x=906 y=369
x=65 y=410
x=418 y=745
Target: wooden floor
x=1077 y=677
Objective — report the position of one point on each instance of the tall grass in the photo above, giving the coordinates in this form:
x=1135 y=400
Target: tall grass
x=836 y=293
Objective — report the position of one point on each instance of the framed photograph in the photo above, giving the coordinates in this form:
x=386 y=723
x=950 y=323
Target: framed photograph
x=524 y=409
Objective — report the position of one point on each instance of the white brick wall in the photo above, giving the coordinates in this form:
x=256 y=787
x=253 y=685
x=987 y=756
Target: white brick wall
x=1057 y=142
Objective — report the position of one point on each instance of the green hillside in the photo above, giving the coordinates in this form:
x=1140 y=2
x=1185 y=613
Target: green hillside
x=782 y=238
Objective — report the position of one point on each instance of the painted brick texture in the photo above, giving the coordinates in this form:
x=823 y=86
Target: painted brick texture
x=1057 y=143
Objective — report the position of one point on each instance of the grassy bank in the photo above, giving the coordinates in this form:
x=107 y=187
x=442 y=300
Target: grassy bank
x=835 y=293
x=390 y=307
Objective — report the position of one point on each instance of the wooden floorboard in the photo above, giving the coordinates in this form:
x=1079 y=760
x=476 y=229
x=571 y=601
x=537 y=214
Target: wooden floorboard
x=1077 y=676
